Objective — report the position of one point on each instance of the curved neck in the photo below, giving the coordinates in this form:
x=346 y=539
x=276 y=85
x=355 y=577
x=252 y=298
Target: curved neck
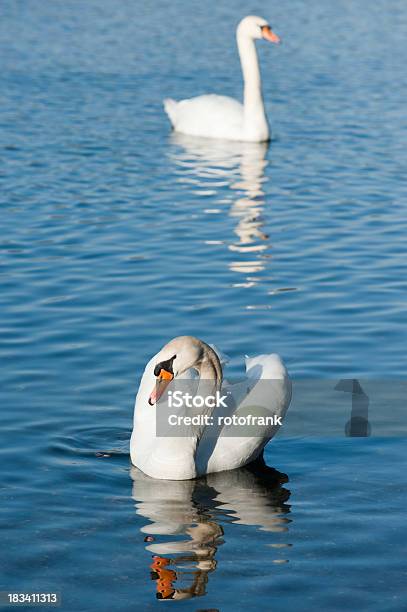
x=254 y=114
x=251 y=72
x=210 y=368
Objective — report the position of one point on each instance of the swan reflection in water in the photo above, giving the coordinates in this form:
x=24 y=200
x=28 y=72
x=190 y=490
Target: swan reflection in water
x=207 y=167
x=185 y=519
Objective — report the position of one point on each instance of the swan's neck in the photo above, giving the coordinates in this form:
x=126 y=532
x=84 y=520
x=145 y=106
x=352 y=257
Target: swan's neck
x=210 y=370
x=255 y=121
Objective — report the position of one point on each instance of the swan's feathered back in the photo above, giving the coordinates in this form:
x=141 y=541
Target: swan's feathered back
x=267 y=387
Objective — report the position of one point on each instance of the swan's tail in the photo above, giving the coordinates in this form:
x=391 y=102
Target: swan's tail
x=170 y=107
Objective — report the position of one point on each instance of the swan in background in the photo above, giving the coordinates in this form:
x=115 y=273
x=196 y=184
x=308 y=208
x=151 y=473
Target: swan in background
x=185 y=522
x=202 y=449
x=215 y=116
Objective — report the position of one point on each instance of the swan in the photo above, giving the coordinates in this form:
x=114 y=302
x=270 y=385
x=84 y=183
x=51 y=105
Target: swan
x=166 y=452
x=215 y=116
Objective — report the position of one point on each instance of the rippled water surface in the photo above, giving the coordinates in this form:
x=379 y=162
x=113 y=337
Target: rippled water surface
x=117 y=235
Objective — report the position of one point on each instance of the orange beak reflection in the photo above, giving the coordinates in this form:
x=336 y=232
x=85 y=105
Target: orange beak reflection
x=269 y=35
x=163 y=380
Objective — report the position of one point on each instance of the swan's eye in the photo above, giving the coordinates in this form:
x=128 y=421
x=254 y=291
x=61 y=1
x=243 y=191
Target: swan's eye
x=164 y=368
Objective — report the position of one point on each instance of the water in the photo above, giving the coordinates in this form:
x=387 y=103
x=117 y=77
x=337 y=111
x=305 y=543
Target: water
x=117 y=235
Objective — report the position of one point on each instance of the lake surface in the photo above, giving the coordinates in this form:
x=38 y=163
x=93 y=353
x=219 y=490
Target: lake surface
x=117 y=235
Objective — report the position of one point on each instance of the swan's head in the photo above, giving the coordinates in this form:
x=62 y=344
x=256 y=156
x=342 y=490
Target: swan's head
x=178 y=356
x=257 y=27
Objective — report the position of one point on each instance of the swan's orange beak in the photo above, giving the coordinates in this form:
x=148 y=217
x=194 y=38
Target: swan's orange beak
x=163 y=380
x=269 y=35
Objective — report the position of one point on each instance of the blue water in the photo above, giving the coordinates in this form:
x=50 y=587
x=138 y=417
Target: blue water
x=117 y=235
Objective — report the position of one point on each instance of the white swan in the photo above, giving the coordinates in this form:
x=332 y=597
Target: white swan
x=216 y=116
x=183 y=453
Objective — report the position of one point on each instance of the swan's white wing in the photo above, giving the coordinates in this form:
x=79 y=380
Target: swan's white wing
x=211 y=116
x=266 y=391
